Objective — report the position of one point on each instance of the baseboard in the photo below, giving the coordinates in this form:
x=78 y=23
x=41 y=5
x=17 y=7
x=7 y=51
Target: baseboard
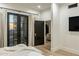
x=71 y=50
x=54 y=49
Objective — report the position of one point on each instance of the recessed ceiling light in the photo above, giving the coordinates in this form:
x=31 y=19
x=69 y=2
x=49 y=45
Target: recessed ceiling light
x=39 y=6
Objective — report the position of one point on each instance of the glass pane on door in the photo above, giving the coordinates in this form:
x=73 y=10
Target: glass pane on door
x=15 y=30
x=24 y=29
x=12 y=30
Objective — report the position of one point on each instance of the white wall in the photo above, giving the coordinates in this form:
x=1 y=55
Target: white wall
x=55 y=28
x=31 y=30
x=70 y=39
x=62 y=37
x=3 y=18
x=1 y=32
x=45 y=15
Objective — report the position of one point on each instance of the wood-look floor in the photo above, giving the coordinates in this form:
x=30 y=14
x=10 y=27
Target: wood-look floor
x=63 y=53
x=46 y=51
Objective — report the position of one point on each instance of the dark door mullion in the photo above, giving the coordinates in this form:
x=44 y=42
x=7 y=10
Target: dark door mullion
x=8 y=29
x=27 y=31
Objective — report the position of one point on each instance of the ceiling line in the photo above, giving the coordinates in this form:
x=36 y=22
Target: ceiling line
x=17 y=10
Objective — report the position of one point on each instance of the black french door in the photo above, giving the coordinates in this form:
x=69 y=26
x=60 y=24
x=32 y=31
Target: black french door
x=17 y=29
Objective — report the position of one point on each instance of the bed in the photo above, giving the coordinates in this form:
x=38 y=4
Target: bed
x=20 y=50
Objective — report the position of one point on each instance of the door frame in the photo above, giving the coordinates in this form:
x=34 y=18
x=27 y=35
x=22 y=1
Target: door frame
x=17 y=18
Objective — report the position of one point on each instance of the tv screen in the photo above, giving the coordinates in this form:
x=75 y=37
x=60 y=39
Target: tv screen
x=74 y=23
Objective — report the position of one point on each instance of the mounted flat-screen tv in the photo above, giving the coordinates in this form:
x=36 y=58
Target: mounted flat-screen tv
x=74 y=23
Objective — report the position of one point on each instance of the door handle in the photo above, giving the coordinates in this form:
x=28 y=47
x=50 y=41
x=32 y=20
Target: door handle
x=35 y=34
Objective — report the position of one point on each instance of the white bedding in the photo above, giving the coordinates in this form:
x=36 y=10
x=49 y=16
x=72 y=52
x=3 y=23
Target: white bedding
x=20 y=50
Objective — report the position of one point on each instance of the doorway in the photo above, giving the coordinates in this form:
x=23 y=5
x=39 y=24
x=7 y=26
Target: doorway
x=46 y=33
x=17 y=29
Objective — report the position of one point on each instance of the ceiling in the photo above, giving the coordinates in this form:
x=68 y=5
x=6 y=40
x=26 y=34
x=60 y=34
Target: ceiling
x=43 y=6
